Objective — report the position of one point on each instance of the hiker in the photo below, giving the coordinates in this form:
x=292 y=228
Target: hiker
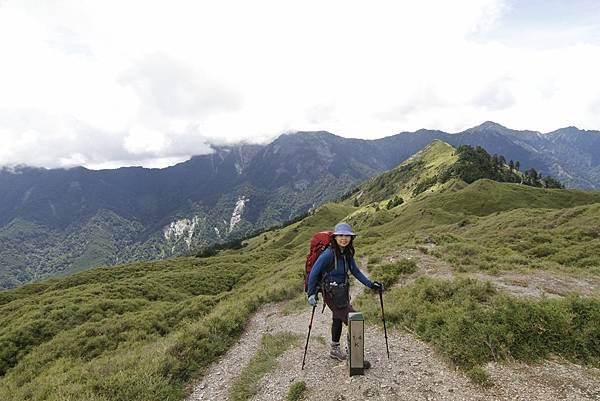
x=331 y=268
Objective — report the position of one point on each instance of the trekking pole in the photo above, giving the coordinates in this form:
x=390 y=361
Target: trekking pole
x=383 y=318
x=307 y=337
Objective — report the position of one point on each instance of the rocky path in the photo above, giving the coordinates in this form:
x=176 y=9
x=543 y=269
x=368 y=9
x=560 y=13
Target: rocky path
x=413 y=372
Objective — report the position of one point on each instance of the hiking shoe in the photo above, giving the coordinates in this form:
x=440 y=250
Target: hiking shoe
x=336 y=353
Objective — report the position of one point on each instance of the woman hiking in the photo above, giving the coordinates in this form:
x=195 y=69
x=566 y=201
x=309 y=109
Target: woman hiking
x=330 y=272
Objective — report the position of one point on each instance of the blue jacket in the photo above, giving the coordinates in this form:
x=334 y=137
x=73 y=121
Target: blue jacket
x=338 y=274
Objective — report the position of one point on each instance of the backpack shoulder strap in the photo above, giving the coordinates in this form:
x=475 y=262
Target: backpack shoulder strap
x=334 y=266
x=346 y=266
x=330 y=266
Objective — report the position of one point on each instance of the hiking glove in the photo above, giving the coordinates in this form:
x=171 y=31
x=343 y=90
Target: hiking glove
x=312 y=300
x=377 y=286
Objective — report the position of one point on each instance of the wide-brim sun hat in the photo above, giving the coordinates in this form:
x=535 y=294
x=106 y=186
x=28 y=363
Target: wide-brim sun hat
x=343 y=229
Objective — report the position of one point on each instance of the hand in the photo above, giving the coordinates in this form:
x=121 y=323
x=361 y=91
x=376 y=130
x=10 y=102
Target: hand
x=377 y=286
x=312 y=300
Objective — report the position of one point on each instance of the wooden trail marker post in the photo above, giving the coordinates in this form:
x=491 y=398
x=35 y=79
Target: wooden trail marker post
x=356 y=343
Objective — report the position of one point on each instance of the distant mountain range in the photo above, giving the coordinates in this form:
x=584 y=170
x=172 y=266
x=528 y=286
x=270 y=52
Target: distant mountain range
x=59 y=221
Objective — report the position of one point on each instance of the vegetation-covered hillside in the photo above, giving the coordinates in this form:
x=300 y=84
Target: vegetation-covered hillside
x=143 y=331
x=56 y=222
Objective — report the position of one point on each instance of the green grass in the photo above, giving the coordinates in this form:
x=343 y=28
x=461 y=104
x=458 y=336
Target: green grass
x=485 y=197
x=144 y=331
x=388 y=274
x=297 y=391
x=493 y=226
x=264 y=361
x=96 y=323
x=295 y=305
x=472 y=324
x=413 y=176
x=565 y=239
x=320 y=339
x=478 y=375
x=375 y=259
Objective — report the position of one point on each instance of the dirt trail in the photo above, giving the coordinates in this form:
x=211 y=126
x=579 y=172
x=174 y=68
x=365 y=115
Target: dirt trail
x=413 y=372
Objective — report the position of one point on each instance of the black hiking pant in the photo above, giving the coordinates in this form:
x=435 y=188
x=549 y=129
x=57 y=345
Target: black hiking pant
x=336 y=330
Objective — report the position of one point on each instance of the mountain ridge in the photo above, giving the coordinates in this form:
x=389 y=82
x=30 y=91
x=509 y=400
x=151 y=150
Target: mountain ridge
x=235 y=190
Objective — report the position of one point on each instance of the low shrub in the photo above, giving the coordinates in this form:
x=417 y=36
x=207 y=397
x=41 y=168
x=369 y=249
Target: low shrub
x=479 y=375
x=296 y=391
x=374 y=259
x=473 y=324
x=544 y=250
x=389 y=274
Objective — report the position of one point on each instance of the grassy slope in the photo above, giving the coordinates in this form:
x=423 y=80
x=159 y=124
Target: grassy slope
x=472 y=323
x=417 y=171
x=562 y=240
x=484 y=197
x=142 y=331
x=490 y=226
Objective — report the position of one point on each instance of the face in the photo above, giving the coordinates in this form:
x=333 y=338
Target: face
x=343 y=240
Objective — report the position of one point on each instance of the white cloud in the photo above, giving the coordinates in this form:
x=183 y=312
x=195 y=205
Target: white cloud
x=141 y=140
x=171 y=90
x=115 y=83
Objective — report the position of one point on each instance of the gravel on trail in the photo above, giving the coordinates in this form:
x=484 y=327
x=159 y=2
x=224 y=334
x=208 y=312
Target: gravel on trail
x=414 y=371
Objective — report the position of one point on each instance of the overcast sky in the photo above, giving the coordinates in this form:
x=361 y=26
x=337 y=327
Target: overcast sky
x=117 y=83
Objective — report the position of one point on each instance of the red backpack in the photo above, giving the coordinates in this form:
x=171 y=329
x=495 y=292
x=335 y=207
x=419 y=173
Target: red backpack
x=318 y=243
